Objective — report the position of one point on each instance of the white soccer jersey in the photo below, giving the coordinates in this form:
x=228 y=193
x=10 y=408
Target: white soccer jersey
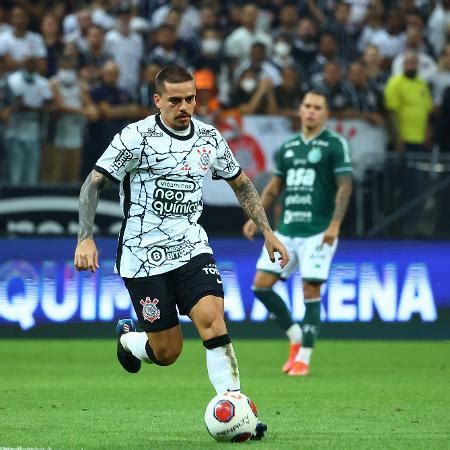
x=161 y=175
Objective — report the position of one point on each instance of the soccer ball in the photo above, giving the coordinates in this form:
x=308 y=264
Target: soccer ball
x=231 y=416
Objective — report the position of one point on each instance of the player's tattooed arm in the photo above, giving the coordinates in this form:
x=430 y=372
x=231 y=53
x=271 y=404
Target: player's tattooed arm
x=252 y=205
x=88 y=203
x=345 y=187
x=250 y=201
x=343 y=194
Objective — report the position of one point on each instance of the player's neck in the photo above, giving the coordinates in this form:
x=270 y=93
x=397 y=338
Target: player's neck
x=310 y=134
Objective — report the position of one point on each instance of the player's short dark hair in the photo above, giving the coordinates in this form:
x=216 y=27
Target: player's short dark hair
x=318 y=92
x=171 y=74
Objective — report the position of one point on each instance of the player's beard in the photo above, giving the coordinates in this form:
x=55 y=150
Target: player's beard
x=180 y=126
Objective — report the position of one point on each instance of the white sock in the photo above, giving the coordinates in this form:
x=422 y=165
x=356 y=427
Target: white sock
x=223 y=369
x=294 y=333
x=304 y=355
x=135 y=343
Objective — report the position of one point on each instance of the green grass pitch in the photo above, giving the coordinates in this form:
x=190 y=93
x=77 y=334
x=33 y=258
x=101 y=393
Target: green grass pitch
x=360 y=394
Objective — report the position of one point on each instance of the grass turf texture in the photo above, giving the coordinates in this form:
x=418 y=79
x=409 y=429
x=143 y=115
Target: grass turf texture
x=74 y=394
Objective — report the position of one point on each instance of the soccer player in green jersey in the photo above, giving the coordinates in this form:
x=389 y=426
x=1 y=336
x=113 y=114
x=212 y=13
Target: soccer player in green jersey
x=313 y=170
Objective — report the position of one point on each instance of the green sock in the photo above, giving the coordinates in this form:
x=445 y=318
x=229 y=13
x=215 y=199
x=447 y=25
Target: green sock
x=275 y=305
x=311 y=322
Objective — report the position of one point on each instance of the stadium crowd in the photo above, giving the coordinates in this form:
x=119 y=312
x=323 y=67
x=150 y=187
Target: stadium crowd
x=74 y=73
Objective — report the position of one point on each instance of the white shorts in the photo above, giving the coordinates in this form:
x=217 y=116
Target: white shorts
x=307 y=253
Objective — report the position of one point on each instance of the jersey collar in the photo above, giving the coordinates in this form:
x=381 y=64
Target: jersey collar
x=170 y=133
x=307 y=141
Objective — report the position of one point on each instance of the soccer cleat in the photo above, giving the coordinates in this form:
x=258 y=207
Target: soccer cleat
x=260 y=431
x=128 y=361
x=293 y=350
x=299 y=368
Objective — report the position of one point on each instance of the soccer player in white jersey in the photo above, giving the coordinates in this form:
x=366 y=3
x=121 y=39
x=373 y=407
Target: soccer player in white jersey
x=313 y=170
x=163 y=254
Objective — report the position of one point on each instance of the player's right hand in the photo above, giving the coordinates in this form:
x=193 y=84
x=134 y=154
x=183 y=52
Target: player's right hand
x=249 y=229
x=86 y=255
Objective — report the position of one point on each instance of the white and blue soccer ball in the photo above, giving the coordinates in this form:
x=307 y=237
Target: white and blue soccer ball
x=231 y=417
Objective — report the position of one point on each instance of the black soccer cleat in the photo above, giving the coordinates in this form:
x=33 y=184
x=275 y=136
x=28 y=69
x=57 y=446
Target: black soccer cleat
x=128 y=361
x=260 y=431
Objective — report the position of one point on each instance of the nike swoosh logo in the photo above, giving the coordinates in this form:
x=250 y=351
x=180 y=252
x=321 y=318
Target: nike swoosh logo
x=219 y=281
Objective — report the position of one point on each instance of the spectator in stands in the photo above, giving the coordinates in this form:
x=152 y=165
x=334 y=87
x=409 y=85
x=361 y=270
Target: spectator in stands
x=440 y=80
x=209 y=19
x=189 y=21
x=373 y=24
x=4 y=25
x=19 y=44
x=408 y=100
x=289 y=94
x=165 y=53
x=439 y=26
x=305 y=46
x=253 y=95
x=328 y=51
x=207 y=103
x=116 y=109
x=31 y=97
x=376 y=76
x=391 y=40
x=282 y=53
x=330 y=82
x=364 y=103
x=100 y=13
x=345 y=32
x=51 y=34
x=238 y=44
x=288 y=18
x=80 y=32
x=127 y=49
x=260 y=65
x=210 y=55
x=72 y=107
x=414 y=42
x=147 y=89
x=95 y=56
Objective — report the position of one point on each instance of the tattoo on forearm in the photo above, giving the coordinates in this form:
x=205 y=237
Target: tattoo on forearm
x=342 y=199
x=88 y=203
x=251 y=203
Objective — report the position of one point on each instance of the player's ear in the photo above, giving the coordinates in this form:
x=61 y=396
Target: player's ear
x=157 y=100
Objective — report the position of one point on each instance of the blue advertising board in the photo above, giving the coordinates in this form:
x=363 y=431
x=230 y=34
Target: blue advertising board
x=386 y=282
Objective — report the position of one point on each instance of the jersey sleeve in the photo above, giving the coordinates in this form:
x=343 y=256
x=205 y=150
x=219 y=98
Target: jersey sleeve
x=225 y=166
x=121 y=156
x=342 y=160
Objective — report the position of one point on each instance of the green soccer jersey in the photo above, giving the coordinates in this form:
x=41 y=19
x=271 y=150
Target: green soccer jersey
x=309 y=169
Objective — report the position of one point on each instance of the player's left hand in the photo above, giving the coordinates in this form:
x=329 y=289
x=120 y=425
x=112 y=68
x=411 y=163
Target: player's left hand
x=273 y=245
x=331 y=233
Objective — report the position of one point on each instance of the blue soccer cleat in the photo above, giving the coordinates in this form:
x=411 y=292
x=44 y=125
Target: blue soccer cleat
x=260 y=431
x=128 y=361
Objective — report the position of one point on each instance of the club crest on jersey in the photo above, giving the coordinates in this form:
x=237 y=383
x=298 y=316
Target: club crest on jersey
x=314 y=155
x=149 y=309
x=204 y=158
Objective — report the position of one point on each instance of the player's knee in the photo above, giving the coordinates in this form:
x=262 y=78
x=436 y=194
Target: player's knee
x=263 y=281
